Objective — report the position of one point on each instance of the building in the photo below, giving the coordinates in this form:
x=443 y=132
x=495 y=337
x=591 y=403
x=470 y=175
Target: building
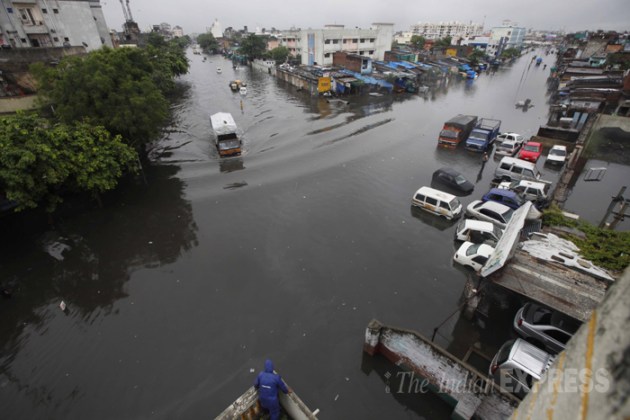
x=443 y=29
x=178 y=32
x=479 y=42
x=317 y=46
x=508 y=35
x=62 y=23
x=216 y=29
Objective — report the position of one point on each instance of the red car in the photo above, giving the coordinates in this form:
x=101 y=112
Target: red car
x=531 y=151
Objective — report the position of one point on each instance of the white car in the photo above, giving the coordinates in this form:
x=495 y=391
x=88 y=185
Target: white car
x=478 y=231
x=490 y=211
x=472 y=255
x=557 y=155
x=511 y=136
x=508 y=148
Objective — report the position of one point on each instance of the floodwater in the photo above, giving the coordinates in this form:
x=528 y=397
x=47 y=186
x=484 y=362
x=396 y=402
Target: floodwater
x=179 y=289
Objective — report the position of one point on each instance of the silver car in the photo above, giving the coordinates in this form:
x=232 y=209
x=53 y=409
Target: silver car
x=545 y=328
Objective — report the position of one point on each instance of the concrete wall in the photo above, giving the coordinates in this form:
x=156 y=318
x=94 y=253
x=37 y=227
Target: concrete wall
x=11 y=105
x=591 y=378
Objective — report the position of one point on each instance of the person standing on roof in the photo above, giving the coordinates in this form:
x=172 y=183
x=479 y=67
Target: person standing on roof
x=267 y=383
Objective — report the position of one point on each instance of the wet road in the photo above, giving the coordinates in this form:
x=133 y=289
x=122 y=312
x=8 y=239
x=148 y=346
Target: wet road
x=178 y=288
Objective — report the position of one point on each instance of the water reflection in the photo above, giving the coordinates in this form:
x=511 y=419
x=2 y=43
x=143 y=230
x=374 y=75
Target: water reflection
x=84 y=258
x=231 y=164
x=440 y=223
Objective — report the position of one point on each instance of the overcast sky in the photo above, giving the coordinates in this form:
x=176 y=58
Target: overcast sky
x=196 y=16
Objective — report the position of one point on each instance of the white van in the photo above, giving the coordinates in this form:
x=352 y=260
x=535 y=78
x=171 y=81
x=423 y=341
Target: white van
x=437 y=202
x=512 y=169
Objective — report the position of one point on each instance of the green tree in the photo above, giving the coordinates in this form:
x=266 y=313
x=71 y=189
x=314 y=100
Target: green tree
x=418 y=41
x=208 y=42
x=253 y=47
x=280 y=54
x=118 y=89
x=510 y=53
x=476 y=56
x=443 y=43
x=40 y=159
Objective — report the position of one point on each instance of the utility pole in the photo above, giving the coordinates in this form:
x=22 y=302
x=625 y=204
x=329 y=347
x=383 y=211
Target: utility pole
x=616 y=199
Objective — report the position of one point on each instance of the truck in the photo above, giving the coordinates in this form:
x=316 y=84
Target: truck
x=227 y=140
x=483 y=135
x=456 y=130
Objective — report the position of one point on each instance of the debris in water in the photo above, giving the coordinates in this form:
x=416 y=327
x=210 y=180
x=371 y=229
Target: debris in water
x=336 y=397
x=62 y=306
x=252 y=370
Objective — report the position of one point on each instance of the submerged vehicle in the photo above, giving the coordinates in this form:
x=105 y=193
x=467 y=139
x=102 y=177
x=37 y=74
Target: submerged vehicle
x=227 y=141
x=457 y=130
x=483 y=135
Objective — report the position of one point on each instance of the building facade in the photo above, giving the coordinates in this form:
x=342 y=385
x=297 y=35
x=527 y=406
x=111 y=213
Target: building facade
x=508 y=35
x=443 y=29
x=317 y=46
x=216 y=29
x=62 y=23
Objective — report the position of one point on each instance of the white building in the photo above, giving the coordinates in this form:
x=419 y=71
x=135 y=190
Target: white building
x=403 y=37
x=316 y=46
x=216 y=29
x=443 y=29
x=508 y=35
x=178 y=32
x=41 y=23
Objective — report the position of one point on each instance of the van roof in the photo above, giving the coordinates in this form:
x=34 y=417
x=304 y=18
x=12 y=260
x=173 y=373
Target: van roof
x=436 y=193
x=521 y=162
x=530 y=358
x=481 y=225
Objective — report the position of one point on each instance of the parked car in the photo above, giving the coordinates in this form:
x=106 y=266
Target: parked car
x=473 y=255
x=531 y=151
x=478 y=232
x=490 y=211
x=557 y=155
x=453 y=179
x=518 y=364
x=512 y=137
x=511 y=169
x=437 y=202
x=508 y=148
x=544 y=327
x=536 y=192
x=506 y=197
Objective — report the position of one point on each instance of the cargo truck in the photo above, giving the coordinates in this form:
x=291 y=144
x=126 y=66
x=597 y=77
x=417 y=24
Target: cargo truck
x=226 y=138
x=456 y=130
x=483 y=135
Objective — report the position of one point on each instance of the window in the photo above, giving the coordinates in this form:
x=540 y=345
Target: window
x=66 y=39
x=345 y=41
x=327 y=55
x=362 y=40
x=444 y=205
x=432 y=201
x=479 y=259
x=361 y=52
x=56 y=11
x=9 y=9
x=529 y=173
x=44 y=11
x=335 y=41
x=558 y=336
x=327 y=41
x=372 y=39
x=354 y=40
x=56 y=39
x=23 y=40
x=419 y=197
x=505 y=166
x=371 y=52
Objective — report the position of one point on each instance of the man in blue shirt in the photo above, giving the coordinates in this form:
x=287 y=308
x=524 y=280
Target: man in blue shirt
x=267 y=383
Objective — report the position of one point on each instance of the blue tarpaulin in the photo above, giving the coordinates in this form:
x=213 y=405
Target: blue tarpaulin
x=370 y=80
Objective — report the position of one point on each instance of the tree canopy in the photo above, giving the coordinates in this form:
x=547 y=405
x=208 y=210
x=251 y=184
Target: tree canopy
x=253 y=47
x=510 y=53
x=476 y=56
x=207 y=42
x=443 y=42
x=280 y=54
x=121 y=90
x=39 y=160
x=418 y=41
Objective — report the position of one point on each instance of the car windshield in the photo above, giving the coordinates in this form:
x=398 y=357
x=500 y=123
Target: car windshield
x=508 y=215
x=557 y=152
x=454 y=203
x=472 y=250
x=459 y=180
x=531 y=148
x=449 y=134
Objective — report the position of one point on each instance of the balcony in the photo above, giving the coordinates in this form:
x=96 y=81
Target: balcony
x=38 y=28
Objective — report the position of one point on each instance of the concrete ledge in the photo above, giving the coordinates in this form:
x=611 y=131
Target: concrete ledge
x=18 y=103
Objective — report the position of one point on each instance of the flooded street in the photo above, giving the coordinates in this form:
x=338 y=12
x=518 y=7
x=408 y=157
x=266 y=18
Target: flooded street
x=176 y=290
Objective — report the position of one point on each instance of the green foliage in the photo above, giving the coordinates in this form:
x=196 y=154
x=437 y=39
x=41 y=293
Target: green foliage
x=621 y=59
x=253 y=47
x=476 y=56
x=418 y=41
x=510 y=53
x=605 y=248
x=207 y=42
x=443 y=43
x=40 y=160
x=182 y=42
x=121 y=90
x=280 y=54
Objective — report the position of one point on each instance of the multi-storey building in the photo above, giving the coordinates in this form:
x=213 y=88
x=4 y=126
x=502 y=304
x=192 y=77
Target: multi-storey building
x=443 y=29
x=216 y=29
x=508 y=35
x=317 y=46
x=178 y=31
x=53 y=23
